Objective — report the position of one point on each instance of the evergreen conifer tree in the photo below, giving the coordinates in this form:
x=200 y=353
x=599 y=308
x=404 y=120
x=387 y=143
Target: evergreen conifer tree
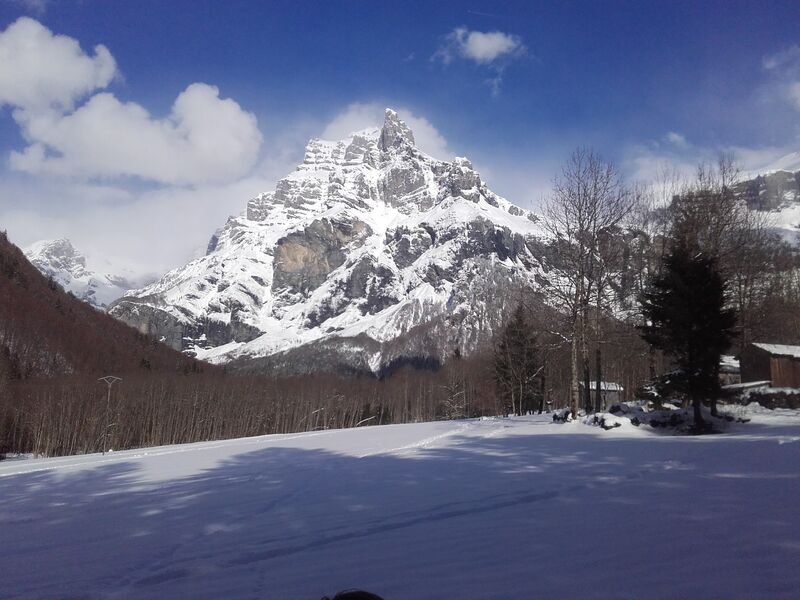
x=685 y=316
x=517 y=364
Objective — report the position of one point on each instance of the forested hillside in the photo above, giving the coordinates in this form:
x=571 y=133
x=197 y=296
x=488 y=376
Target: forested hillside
x=46 y=332
x=54 y=347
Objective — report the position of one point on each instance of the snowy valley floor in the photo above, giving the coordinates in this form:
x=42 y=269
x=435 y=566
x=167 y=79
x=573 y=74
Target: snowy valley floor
x=497 y=508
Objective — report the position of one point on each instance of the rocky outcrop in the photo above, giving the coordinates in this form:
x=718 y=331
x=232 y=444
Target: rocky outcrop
x=395 y=133
x=304 y=259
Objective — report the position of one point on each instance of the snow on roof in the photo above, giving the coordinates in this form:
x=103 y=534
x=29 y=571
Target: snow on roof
x=606 y=386
x=780 y=349
x=734 y=387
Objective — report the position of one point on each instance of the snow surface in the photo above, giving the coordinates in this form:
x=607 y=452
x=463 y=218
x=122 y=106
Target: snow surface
x=780 y=349
x=491 y=508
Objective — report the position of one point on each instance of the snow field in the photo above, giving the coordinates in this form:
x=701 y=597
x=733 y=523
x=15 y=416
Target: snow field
x=491 y=508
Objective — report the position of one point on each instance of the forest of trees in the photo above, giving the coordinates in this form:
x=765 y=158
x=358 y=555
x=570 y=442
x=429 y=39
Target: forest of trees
x=650 y=279
x=621 y=261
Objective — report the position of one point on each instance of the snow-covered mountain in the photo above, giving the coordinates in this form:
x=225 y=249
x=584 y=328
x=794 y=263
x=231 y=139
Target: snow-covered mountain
x=778 y=192
x=370 y=253
x=68 y=267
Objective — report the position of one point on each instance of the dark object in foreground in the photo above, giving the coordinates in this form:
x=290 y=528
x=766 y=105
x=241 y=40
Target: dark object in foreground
x=354 y=595
x=562 y=416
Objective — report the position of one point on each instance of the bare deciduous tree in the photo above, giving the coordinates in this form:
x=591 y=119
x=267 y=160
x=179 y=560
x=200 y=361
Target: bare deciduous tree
x=588 y=203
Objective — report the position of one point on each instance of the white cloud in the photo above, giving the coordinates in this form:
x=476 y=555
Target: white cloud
x=785 y=68
x=205 y=139
x=363 y=115
x=480 y=47
x=90 y=153
x=644 y=164
x=676 y=139
x=788 y=57
x=37 y=7
x=649 y=162
x=142 y=232
x=39 y=70
x=355 y=117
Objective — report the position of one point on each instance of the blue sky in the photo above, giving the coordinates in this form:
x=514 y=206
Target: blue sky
x=512 y=85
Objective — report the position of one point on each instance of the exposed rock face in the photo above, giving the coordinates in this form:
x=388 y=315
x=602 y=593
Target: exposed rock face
x=303 y=260
x=772 y=191
x=395 y=133
x=371 y=251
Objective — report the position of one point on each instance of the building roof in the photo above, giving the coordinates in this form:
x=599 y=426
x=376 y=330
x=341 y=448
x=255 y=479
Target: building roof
x=728 y=364
x=780 y=349
x=605 y=386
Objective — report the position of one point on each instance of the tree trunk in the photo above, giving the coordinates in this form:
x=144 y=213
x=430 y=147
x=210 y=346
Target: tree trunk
x=587 y=386
x=599 y=380
x=697 y=403
x=575 y=388
x=542 y=398
x=598 y=356
x=587 y=389
x=714 y=394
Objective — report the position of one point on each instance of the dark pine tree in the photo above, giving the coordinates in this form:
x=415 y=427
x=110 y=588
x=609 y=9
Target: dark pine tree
x=686 y=317
x=516 y=364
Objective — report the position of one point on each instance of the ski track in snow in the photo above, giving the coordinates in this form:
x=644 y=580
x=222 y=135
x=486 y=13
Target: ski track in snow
x=493 y=508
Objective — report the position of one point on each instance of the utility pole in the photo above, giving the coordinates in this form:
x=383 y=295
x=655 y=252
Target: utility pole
x=109 y=380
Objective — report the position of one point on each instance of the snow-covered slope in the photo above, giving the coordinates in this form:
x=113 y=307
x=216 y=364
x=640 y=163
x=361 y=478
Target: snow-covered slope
x=68 y=267
x=496 y=508
x=777 y=190
x=787 y=163
x=367 y=242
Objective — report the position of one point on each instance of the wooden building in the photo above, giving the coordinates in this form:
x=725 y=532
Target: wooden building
x=777 y=363
x=610 y=392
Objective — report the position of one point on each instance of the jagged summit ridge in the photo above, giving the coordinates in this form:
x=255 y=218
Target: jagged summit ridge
x=367 y=242
x=395 y=133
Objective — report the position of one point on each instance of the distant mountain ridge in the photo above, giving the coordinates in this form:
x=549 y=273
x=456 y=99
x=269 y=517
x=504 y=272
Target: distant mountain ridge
x=369 y=253
x=776 y=192
x=60 y=260
x=46 y=333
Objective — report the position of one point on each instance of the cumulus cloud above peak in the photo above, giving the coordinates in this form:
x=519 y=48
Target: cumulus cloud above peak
x=41 y=70
x=204 y=139
x=480 y=47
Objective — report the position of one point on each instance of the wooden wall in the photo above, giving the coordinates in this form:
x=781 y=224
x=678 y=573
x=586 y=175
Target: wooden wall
x=785 y=371
x=755 y=364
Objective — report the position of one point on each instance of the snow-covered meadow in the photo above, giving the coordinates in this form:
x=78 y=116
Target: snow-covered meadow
x=494 y=508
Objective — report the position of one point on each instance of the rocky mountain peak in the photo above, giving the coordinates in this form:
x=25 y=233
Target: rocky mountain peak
x=395 y=133
x=367 y=242
x=52 y=256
